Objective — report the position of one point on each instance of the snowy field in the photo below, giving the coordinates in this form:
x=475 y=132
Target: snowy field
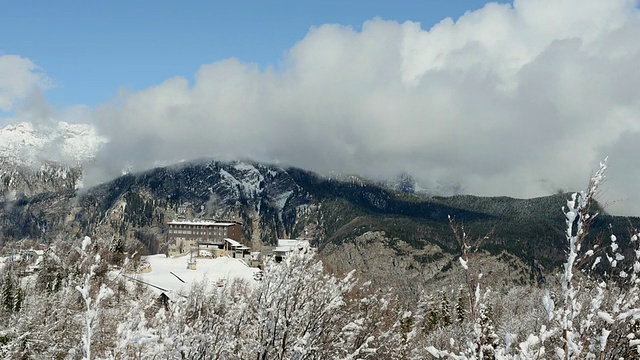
x=213 y=270
x=8 y=259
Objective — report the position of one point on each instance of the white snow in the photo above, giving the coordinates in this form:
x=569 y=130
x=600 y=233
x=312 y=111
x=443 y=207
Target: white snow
x=249 y=181
x=286 y=245
x=86 y=242
x=222 y=268
x=606 y=317
x=200 y=222
x=244 y=167
x=229 y=178
x=9 y=259
x=25 y=143
x=281 y=199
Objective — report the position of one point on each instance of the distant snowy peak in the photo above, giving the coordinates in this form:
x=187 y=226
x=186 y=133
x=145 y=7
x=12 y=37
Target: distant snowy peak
x=28 y=144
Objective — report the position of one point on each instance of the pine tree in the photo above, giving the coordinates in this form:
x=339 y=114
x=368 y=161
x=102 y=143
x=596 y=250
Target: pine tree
x=488 y=341
x=445 y=310
x=18 y=299
x=8 y=293
x=433 y=320
x=12 y=293
x=460 y=308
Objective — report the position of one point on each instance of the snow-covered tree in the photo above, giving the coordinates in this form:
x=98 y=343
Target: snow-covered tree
x=91 y=299
x=298 y=309
x=592 y=308
x=591 y=318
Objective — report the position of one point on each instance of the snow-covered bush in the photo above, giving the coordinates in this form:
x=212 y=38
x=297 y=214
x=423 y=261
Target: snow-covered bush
x=297 y=310
x=587 y=317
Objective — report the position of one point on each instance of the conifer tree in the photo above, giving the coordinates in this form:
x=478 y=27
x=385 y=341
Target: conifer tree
x=445 y=310
x=7 y=293
x=460 y=307
x=12 y=293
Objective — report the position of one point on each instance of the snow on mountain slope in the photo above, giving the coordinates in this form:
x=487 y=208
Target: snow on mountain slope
x=250 y=178
x=243 y=177
x=28 y=144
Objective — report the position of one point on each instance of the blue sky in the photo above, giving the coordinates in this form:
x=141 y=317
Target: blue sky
x=90 y=49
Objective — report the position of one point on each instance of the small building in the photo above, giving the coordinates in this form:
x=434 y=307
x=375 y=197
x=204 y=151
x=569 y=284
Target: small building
x=287 y=245
x=184 y=236
x=236 y=249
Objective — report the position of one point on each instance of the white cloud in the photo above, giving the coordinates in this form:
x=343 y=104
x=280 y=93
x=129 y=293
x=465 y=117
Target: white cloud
x=519 y=100
x=18 y=78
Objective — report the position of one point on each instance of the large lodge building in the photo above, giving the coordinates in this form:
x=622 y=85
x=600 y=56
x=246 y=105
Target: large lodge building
x=184 y=236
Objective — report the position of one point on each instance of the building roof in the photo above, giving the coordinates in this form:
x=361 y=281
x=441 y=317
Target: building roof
x=236 y=245
x=289 y=242
x=286 y=245
x=201 y=222
x=233 y=242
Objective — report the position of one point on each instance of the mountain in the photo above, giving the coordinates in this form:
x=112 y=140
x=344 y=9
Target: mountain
x=392 y=237
x=42 y=161
x=393 y=233
x=29 y=144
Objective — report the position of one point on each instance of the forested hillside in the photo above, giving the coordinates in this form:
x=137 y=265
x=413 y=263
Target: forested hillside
x=386 y=234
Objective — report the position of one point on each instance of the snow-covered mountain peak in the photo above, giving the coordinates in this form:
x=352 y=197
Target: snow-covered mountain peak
x=29 y=144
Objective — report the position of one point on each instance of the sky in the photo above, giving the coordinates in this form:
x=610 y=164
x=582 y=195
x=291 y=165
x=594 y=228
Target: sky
x=90 y=50
x=519 y=98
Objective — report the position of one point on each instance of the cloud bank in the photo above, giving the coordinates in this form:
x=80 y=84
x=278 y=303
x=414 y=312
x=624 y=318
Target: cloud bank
x=19 y=76
x=520 y=100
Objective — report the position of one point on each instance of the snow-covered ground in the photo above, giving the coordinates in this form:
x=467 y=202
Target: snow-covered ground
x=213 y=270
x=4 y=260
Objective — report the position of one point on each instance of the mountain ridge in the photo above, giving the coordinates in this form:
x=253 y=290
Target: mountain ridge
x=30 y=144
x=355 y=224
